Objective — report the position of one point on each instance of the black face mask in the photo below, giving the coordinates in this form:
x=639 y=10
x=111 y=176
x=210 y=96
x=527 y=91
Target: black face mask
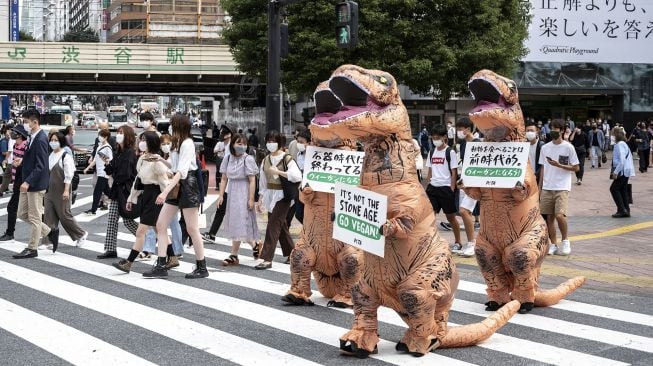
x=555 y=135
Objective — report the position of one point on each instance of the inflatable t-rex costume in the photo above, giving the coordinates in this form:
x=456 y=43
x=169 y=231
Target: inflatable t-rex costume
x=335 y=265
x=417 y=277
x=513 y=239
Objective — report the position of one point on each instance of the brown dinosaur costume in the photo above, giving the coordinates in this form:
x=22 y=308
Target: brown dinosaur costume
x=335 y=265
x=417 y=277
x=513 y=239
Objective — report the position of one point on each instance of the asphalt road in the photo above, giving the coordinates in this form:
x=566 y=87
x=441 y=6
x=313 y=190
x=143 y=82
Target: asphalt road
x=70 y=308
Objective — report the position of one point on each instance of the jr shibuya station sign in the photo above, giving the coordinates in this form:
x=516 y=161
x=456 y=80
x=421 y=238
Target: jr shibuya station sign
x=597 y=31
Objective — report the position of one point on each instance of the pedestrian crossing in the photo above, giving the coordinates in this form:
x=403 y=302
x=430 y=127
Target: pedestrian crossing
x=78 y=310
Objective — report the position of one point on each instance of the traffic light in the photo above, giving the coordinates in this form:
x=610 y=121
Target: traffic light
x=347 y=24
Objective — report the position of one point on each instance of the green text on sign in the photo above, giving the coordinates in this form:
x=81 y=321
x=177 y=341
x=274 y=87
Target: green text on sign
x=493 y=172
x=333 y=178
x=358 y=226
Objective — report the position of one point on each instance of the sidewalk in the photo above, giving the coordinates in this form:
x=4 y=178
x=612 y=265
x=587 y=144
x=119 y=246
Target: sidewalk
x=611 y=253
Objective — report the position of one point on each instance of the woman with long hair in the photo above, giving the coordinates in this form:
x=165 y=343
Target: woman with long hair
x=123 y=170
x=153 y=175
x=271 y=198
x=239 y=170
x=103 y=156
x=622 y=169
x=186 y=198
x=58 y=195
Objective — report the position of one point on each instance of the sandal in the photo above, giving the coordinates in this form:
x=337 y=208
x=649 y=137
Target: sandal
x=232 y=260
x=263 y=265
x=256 y=249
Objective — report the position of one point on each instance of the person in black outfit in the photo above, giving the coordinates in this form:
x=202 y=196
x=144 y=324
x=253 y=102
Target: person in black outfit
x=12 y=207
x=643 y=140
x=578 y=138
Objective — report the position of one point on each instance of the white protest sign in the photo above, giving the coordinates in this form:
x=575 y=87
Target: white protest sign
x=323 y=168
x=495 y=164
x=359 y=216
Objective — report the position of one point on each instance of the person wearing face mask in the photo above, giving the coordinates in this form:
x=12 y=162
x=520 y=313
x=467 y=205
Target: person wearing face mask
x=102 y=157
x=451 y=133
x=223 y=151
x=58 y=195
x=292 y=146
x=239 y=169
x=467 y=204
x=104 y=201
x=596 y=139
x=20 y=136
x=533 y=136
x=153 y=176
x=147 y=121
x=442 y=176
x=303 y=141
x=220 y=150
x=559 y=160
x=578 y=138
x=643 y=140
x=6 y=177
x=35 y=182
x=271 y=197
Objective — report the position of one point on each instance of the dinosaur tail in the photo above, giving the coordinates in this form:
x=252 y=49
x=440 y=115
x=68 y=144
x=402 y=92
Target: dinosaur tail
x=471 y=334
x=553 y=296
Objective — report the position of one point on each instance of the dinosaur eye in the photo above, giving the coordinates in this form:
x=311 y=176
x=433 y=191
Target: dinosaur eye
x=383 y=80
x=511 y=85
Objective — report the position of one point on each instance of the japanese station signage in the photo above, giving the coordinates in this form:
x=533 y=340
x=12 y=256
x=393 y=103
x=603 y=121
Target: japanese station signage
x=323 y=168
x=495 y=164
x=597 y=31
x=116 y=58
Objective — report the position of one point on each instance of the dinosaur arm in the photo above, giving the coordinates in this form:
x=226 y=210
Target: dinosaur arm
x=399 y=227
x=473 y=193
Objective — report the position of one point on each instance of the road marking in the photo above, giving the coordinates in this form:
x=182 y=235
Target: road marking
x=618 y=231
x=194 y=334
x=78 y=202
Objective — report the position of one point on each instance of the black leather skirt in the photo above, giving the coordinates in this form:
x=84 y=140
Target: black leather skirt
x=189 y=192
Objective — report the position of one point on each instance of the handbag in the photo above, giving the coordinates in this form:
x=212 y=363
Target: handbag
x=135 y=212
x=604 y=157
x=290 y=189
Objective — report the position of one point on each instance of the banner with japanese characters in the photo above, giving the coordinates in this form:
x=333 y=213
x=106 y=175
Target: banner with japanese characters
x=597 y=31
x=359 y=216
x=495 y=164
x=323 y=168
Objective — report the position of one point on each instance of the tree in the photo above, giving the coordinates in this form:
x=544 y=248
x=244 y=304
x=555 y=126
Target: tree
x=25 y=37
x=432 y=46
x=84 y=35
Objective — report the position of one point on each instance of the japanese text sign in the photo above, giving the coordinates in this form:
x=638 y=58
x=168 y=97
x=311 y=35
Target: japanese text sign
x=359 y=215
x=495 y=164
x=608 y=31
x=323 y=168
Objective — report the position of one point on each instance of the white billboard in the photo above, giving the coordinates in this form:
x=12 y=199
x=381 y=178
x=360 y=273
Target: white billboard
x=597 y=31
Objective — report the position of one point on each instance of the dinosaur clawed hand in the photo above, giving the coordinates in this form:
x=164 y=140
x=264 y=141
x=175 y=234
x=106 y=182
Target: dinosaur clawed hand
x=417 y=347
x=359 y=343
x=492 y=306
x=340 y=302
x=297 y=300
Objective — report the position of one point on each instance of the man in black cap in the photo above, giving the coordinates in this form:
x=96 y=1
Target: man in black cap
x=19 y=134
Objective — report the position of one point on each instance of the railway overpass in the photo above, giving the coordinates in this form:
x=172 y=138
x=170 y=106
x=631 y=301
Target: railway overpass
x=116 y=68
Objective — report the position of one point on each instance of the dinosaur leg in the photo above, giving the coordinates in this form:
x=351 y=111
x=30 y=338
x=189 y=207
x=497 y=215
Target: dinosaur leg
x=363 y=337
x=302 y=262
x=524 y=258
x=349 y=263
x=498 y=281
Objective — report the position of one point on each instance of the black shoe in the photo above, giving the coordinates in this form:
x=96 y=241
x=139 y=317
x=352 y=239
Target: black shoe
x=108 y=254
x=158 y=270
x=620 y=215
x=208 y=237
x=89 y=212
x=200 y=270
x=6 y=237
x=526 y=307
x=103 y=208
x=26 y=253
x=54 y=239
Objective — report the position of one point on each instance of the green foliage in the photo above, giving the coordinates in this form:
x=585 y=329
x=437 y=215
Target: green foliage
x=433 y=46
x=25 y=37
x=84 y=35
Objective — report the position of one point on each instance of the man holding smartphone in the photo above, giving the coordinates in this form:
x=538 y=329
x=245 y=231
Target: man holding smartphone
x=559 y=160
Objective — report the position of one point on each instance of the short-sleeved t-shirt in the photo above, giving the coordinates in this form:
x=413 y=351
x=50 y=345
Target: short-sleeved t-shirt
x=440 y=172
x=557 y=179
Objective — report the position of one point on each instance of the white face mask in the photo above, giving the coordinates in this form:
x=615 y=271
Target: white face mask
x=27 y=127
x=272 y=146
x=142 y=146
x=301 y=147
x=54 y=145
x=147 y=124
x=165 y=148
x=461 y=134
x=530 y=135
x=438 y=143
x=120 y=138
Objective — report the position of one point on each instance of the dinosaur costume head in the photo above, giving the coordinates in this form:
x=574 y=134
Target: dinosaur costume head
x=497 y=113
x=356 y=104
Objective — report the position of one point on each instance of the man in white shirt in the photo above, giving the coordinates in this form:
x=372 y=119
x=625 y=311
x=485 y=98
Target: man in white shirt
x=559 y=161
x=533 y=136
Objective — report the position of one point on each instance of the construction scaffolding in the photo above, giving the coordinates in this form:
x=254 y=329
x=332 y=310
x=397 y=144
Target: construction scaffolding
x=184 y=21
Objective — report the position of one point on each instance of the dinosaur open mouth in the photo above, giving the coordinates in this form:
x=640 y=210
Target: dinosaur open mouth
x=487 y=96
x=345 y=99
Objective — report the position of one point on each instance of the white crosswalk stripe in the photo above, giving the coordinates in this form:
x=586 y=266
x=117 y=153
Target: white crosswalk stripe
x=243 y=295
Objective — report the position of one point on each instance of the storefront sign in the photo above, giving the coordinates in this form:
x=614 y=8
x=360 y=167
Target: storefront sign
x=323 y=168
x=359 y=216
x=13 y=20
x=495 y=164
x=607 y=31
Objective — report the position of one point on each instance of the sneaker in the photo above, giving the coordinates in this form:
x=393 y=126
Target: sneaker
x=7 y=237
x=157 y=271
x=208 y=237
x=456 y=247
x=477 y=225
x=124 y=265
x=445 y=226
x=564 y=248
x=104 y=208
x=172 y=262
x=552 y=249
x=81 y=241
x=90 y=213
x=469 y=250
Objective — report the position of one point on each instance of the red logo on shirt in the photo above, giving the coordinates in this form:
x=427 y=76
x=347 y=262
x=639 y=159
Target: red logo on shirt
x=437 y=160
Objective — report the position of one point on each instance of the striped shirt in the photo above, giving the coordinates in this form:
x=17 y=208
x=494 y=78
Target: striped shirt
x=19 y=151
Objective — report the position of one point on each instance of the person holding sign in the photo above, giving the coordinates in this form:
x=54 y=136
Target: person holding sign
x=467 y=204
x=277 y=166
x=442 y=177
x=559 y=161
